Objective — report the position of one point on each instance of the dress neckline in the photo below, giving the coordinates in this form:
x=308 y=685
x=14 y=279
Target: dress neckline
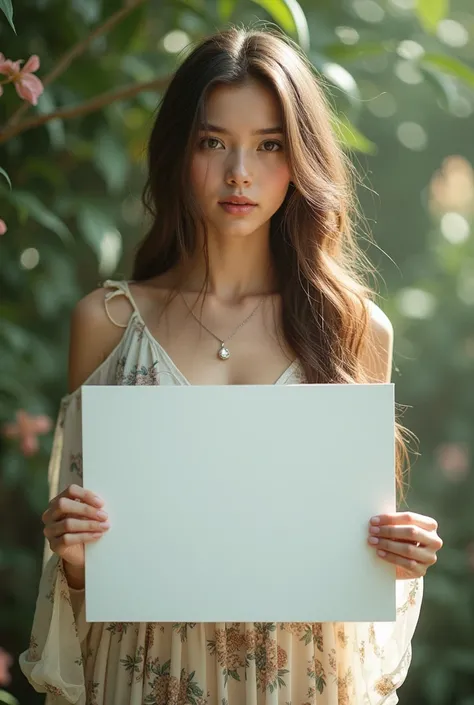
x=285 y=375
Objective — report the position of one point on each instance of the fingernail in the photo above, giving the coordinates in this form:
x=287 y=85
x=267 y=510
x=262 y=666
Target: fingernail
x=105 y=525
x=102 y=515
x=373 y=540
x=375 y=520
x=382 y=554
x=98 y=501
x=374 y=530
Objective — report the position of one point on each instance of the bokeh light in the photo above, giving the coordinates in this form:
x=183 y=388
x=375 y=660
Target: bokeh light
x=175 y=41
x=415 y=303
x=455 y=228
x=29 y=258
x=452 y=33
x=412 y=136
x=368 y=10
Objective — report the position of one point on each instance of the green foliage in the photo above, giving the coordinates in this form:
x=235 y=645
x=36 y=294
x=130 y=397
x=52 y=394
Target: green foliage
x=289 y=15
x=7 y=8
x=431 y=12
x=73 y=215
x=7 y=698
x=451 y=66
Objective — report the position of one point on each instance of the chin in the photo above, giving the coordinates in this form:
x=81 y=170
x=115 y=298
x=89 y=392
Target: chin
x=243 y=231
x=239 y=228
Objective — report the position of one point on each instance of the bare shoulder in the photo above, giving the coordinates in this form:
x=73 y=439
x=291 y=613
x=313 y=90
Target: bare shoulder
x=93 y=336
x=377 y=354
x=380 y=325
x=152 y=295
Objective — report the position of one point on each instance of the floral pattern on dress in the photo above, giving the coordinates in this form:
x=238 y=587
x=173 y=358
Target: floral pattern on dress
x=235 y=648
x=140 y=329
x=32 y=648
x=119 y=628
x=316 y=672
x=134 y=664
x=169 y=690
x=92 y=693
x=75 y=464
x=411 y=599
x=137 y=374
x=305 y=632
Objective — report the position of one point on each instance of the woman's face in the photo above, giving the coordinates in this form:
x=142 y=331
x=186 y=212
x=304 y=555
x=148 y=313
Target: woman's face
x=241 y=154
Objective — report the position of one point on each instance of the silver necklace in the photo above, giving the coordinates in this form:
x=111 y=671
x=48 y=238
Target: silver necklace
x=223 y=353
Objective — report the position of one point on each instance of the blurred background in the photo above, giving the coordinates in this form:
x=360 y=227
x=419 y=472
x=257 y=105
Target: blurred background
x=400 y=77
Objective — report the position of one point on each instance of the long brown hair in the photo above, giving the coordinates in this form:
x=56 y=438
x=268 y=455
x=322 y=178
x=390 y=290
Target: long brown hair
x=319 y=266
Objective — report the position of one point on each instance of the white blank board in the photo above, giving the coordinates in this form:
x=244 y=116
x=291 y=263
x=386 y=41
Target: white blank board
x=239 y=503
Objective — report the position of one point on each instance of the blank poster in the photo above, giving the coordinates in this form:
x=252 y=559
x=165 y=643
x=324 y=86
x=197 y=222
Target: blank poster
x=239 y=503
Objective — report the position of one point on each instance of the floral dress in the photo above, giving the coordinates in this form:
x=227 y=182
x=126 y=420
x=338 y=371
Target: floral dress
x=261 y=663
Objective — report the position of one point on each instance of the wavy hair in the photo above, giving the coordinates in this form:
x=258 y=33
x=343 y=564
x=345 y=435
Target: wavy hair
x=321 y=270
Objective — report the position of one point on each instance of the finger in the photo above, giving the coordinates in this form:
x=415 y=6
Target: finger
x=408 y=551
x=72 y=492
x=71 y=525
x=67 y=540
x=413 y=567
x=410 y=518
x=410 y=534
x=66 y=506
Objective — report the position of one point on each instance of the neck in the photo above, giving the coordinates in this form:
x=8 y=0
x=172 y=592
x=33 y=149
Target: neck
x=238 y=267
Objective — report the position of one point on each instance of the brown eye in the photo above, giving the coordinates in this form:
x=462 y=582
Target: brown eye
x=209 y=143
x=272 y=143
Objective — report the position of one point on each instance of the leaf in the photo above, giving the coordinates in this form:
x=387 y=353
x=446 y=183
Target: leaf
x=443 y=85
x=7 y=8
x=430 y=12
x=449 y=65
x=111 y=160
x=352 y=137
x=31 y=205
x=339 y=76
x=361 y=50
x=7 y=697
x=4 y=173
x=290 y=16
x=225 y=9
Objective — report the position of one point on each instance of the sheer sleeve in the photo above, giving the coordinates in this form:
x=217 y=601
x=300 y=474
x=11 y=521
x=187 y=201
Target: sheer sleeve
x=373 y=658
x=53 y=663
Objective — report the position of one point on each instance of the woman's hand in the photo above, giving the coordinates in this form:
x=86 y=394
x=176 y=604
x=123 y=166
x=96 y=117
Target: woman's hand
x=408 y=540
x=72 y=519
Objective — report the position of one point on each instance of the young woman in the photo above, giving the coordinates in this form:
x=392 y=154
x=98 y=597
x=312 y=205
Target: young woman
x=248 y=275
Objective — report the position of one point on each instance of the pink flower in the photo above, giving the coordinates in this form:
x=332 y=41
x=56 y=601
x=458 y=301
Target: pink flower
x=3 y=227
x=27 y=428
x=5 y=662
x=27 y=86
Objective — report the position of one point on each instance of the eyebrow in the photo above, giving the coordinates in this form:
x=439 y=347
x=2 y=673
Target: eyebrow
x=264 y=131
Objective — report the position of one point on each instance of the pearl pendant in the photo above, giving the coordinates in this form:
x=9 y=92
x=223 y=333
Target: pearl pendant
x=223 y=353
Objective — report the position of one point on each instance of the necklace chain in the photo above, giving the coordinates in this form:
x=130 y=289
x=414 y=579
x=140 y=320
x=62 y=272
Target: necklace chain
x=223 y=352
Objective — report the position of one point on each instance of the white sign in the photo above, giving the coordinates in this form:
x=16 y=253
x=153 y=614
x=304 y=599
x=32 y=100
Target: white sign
x=239 y=503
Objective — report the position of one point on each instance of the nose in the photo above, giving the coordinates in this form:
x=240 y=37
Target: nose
x=238 y=169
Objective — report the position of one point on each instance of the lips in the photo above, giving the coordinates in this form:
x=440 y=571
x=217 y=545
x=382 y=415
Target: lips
x=239 y=201
x=233 y=208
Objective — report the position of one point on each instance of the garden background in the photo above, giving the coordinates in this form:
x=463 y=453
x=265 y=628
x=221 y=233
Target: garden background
x=400 y=77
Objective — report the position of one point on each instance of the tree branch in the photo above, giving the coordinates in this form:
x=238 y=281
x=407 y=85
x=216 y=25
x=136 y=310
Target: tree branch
x=70 y=55
x=89 y=106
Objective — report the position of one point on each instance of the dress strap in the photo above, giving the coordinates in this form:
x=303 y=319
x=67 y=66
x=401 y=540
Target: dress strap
x=119 y=288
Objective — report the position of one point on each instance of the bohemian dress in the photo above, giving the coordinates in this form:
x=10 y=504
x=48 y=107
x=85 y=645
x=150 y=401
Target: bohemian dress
x=122 y=663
